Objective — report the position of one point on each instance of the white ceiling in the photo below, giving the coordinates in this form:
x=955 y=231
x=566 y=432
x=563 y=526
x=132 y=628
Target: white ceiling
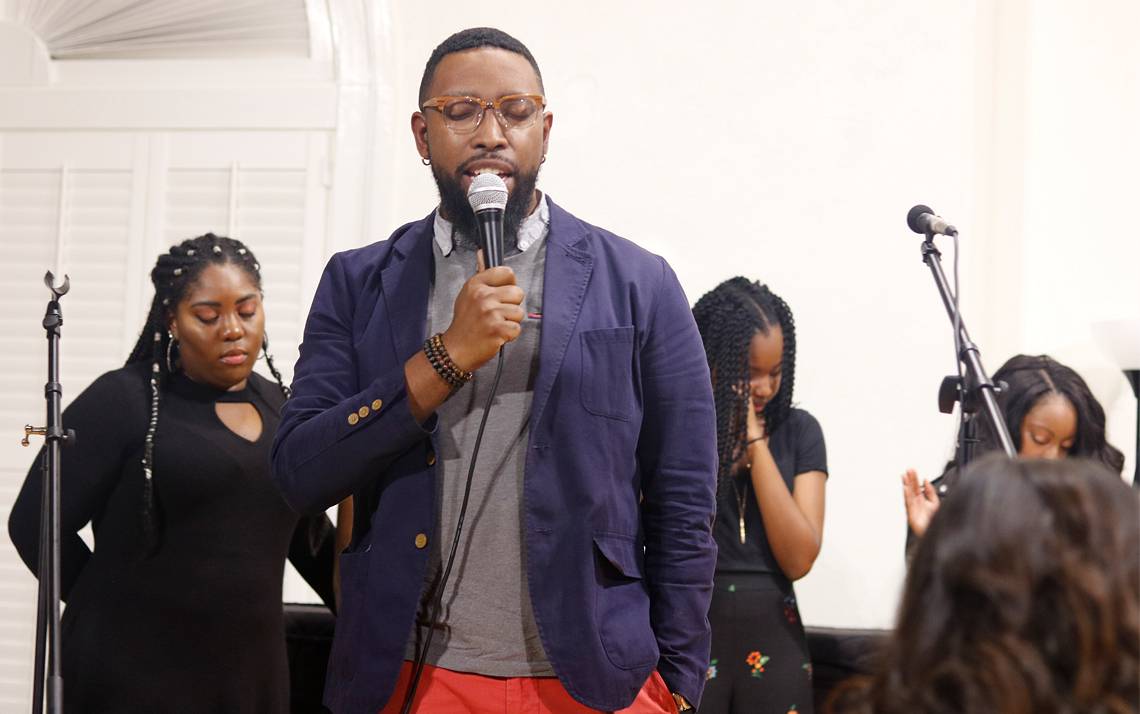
x=166 y=29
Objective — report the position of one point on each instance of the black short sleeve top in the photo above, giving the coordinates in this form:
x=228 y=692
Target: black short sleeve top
x=797 y=447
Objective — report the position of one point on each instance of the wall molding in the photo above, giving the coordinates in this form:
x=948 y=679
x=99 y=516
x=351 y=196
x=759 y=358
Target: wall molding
x=55 y=107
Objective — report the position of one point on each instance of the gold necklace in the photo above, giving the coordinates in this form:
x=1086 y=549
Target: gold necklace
x=740 y=501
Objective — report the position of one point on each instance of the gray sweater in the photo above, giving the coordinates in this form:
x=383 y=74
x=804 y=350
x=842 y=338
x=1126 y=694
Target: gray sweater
x=488 y=624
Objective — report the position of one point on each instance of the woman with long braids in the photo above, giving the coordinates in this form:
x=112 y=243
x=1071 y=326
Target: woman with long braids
x=1051 y=414
x=770 y=496
x=178 y=607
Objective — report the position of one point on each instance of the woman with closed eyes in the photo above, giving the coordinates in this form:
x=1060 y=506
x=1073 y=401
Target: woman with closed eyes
x=178 y=606
x=1051 y=414
x=770 y=503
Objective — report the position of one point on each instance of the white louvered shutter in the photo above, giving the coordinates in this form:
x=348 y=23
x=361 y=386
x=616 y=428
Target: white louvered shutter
x=67 y=203
x=29 y=200
x=101 y=206
x=271 y=221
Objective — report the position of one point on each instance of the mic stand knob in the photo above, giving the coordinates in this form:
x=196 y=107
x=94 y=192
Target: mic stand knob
x=29 y=431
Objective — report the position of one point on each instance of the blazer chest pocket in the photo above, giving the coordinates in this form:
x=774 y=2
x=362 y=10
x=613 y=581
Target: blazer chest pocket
x=607 y=372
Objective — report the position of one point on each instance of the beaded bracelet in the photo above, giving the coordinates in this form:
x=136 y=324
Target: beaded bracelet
x=443 y=365
x=456 y=376
x=464 y=375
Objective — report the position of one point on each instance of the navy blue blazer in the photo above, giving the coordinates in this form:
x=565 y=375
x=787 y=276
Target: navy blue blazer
x=620 y=475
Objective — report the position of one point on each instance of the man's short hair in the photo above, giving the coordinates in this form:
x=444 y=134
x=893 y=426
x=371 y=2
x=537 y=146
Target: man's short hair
x=469 y=39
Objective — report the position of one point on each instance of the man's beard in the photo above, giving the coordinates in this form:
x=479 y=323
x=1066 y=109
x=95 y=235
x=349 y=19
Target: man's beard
x=454 y=206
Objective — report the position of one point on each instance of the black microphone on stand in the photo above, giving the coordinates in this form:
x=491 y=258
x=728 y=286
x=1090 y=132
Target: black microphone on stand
x=488 y=198
x=922 y=219
x=971 y=387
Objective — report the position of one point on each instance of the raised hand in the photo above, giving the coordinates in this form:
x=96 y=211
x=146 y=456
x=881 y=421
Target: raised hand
x=921 y=501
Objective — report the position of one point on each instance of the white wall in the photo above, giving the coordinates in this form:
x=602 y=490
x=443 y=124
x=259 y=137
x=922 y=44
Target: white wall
x=784 y=142
x=1082 y=152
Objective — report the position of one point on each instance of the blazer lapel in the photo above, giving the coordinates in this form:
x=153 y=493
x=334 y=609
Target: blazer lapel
x=569 y=264
x=407 y=286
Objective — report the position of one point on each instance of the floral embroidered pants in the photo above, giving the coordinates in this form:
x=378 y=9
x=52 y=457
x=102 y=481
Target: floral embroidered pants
x=759 y=662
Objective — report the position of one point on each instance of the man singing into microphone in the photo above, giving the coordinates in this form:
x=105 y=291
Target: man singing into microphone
x=584 y=569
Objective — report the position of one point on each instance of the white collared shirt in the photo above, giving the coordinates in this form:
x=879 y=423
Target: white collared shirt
x=533 y=229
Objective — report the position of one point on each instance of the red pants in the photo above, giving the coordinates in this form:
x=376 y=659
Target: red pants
x=442 y=691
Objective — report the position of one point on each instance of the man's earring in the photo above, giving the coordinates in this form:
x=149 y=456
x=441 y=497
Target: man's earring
x=543 y=159
x=426 y=161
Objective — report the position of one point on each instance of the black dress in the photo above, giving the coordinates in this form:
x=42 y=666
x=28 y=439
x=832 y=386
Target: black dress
x=197 y=626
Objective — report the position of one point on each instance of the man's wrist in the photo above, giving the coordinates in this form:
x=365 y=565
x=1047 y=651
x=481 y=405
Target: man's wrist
x=455 y=351
x=444 y=366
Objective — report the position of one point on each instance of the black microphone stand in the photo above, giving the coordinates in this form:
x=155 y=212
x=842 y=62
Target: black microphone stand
x=974 y=387
x=55 y=437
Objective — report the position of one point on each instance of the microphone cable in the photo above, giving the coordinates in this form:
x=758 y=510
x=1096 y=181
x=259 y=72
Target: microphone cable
x=966 y=441
x=437 y=597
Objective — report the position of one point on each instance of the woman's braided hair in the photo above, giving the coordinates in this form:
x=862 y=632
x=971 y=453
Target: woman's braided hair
x=727 y=318
x=173 y=275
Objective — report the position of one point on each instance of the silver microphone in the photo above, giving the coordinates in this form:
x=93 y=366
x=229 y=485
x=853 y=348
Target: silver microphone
x=923 y=220
x=488 y=198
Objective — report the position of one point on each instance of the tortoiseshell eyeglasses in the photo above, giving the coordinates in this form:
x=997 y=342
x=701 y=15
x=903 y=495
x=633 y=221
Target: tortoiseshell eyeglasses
x=463 y=115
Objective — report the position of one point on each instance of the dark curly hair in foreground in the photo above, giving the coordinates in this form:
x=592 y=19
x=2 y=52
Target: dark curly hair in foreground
x=727 y=317
x=1024 y=597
